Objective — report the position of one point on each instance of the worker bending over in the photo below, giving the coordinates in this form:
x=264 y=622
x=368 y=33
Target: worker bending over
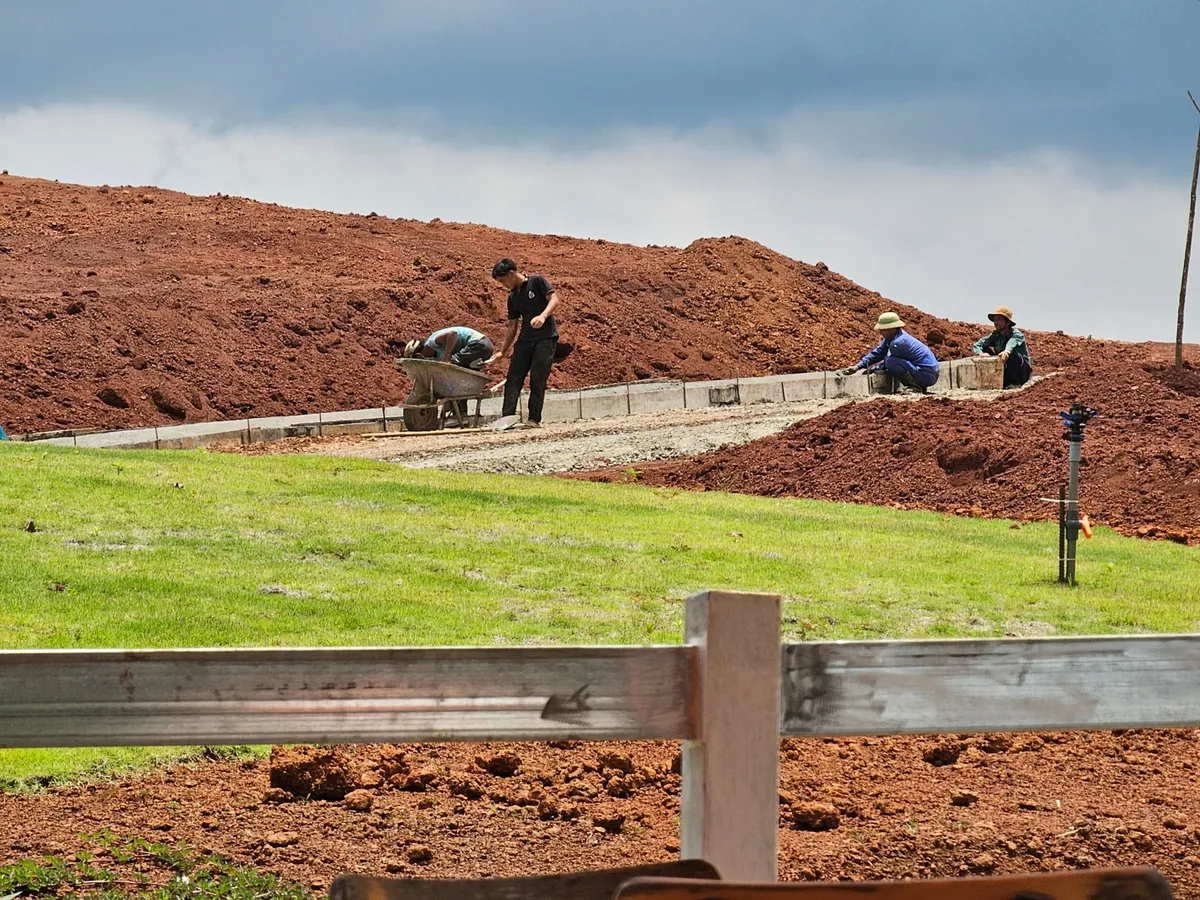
x=909 y=361
x=1008 y=343
x=458 y=345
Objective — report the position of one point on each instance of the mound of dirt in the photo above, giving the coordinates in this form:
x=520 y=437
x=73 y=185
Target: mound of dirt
x=1141 y=462
x=849 y=809
x=310 y=772
x=134 y=306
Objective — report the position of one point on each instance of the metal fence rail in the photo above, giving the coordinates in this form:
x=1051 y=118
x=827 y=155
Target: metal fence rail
x=184 y=697
x=1046 y=684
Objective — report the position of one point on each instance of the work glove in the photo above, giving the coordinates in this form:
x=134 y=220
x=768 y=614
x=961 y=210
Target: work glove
x=849 y=370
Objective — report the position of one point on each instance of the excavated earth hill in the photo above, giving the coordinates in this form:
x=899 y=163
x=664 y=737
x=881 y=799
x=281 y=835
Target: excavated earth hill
x=123 y=306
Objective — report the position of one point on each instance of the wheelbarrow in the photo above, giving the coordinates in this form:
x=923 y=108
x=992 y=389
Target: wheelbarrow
x=439 y=390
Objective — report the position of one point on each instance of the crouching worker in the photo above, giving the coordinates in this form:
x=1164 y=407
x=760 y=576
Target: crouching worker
x=909 y=361
x=1008 y=343
x=458 y=345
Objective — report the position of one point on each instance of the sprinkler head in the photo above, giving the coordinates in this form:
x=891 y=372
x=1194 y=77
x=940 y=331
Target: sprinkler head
x=1075 y=419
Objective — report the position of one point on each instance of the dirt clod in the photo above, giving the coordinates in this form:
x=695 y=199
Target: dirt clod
x=611 y=823
x=283 y=838
x=982 y=864
x=943 y=754
x=112 y=397
x=815 y=817
x=418 y=781
x=319 y=773
x=995 y=743
x=168 y=404
x=618 y=761
x=359 y=801
x=420 y=854
x=502 y=765
x=465 y=787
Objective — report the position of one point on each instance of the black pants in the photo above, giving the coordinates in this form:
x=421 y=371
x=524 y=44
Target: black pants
x=532 y=359
x=1016 y=371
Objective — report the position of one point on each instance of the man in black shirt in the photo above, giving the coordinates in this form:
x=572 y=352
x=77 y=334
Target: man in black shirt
x=531 y=302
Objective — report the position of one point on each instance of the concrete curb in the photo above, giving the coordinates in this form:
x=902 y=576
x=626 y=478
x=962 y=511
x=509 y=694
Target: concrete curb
x=607 y=401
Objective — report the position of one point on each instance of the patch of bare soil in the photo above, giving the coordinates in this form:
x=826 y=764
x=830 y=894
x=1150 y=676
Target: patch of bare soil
x=854 y=809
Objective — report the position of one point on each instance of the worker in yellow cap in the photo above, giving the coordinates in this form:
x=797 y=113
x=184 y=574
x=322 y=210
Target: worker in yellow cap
x=1007 y=342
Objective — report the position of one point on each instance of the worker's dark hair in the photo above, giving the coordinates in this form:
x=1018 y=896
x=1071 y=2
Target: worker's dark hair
x=502 y=268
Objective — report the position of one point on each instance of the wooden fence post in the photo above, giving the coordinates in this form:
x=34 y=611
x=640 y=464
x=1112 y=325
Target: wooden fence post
x=730 y=805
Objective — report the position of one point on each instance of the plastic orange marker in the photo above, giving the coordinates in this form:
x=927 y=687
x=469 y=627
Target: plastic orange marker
x=1085 y=526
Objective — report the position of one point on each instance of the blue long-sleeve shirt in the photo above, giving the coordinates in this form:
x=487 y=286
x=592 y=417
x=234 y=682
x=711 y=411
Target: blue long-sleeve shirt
x=902 y=346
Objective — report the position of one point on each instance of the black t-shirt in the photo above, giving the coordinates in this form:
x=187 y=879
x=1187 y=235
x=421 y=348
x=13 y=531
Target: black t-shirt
x=527 y=302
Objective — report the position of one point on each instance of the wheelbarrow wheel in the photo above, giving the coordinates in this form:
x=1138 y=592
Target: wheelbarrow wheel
x=420 y=419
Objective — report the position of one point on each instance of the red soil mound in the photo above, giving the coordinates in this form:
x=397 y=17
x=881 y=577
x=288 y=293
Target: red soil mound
x=1140 y=475
x=124 y=306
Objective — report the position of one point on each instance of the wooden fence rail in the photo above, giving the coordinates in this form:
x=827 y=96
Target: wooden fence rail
x=729 y=693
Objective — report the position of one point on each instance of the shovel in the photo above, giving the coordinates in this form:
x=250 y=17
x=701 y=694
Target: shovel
x=503 y=424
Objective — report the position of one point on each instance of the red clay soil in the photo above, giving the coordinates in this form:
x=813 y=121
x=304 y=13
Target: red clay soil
x=1141 y=458
x=853 y=809
x=134 y=306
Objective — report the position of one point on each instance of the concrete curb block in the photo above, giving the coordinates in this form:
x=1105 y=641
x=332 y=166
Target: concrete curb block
x=608 y=401
x=135 y=439
x=840 y=386
x=945 y=382
x=272 y=428
x=702 y=394
x=764 y=389
x=602 y=403
x=565 y=406
x=658 y=397
x=881 y=383
x=204 y=434
x=352 y=421
x=979 y=373
x=804 y=386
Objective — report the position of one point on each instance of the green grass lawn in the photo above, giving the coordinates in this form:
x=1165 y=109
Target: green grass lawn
x=145 y=549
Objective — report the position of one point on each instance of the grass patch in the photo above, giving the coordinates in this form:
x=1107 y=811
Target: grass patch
x=145 y=549
x=35 y=768
x=128 y=868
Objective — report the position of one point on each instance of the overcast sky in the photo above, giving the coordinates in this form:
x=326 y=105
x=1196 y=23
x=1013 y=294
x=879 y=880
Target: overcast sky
x=952 y=154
